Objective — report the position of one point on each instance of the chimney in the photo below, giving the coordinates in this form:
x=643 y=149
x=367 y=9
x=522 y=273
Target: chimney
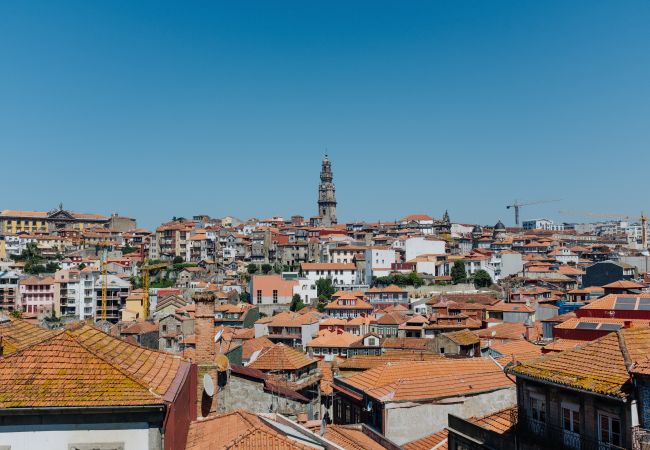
x=627 y=324
x=205 y=352
x=530 y=328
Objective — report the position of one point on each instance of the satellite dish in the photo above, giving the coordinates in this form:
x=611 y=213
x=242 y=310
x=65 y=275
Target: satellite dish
x=208 y=385
x=222 y=363
x=217 y=337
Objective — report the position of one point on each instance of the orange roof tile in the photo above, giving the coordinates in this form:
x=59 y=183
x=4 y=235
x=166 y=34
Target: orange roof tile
x=436 y=440
x=239 y=430
x=334 y=339
x=60 y=372
x=250 y=346
x=281 y=357
x=364 y=362
x=17 y=334
x=351 y=437
x=599 y=366
x=499 y=422
x=150 y=367
x=624 y=284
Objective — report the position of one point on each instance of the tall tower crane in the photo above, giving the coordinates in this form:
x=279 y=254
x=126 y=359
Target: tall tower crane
x=643 y=219
x=516 y=205
x=104 y=268
x=145 y=269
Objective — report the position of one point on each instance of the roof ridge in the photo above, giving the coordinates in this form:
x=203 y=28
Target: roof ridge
x=18 y=352
x=624 y=351
x=93 y=328
x=110 y=363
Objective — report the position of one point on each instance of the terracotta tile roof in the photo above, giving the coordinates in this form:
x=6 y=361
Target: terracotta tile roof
x=351 y=438
x=281 y=357
x=508 y=331
x=334 y=339
x=150 y=367
x=392 y=318
x=239 y=430
x=60 y=372
x=327 y=377
x=291 y=319
x=141 y=327
x=354 y=303
x=499 y=422
x=250 y=346
x=624 y=284
x=559 y=345
x=437 y=441
x=609 y=301
x=364 y=362
x=510 y=307
x=520 y=349
x=430 y=379
x=462 y=337
x=17 y=334
x=599 y=366
x=406 y=343
x=573 y=324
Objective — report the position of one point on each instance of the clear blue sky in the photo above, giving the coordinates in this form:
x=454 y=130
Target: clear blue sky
x=156 y=109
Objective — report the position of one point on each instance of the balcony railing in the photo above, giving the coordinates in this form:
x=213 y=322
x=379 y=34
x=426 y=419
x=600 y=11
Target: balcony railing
x=551 y=436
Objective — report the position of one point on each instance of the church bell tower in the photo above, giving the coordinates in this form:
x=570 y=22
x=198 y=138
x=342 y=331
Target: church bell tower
x=327 y=194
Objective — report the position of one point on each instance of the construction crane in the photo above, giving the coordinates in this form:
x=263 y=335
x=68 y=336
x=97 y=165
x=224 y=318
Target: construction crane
x=643 y=219
x=516 y=205
x=104 y=268
x=145 y=269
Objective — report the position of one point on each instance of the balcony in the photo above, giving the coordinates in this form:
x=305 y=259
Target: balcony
x=551 y=436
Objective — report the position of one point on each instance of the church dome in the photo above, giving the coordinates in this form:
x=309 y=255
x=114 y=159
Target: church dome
x=500 y=226
x=477 y=229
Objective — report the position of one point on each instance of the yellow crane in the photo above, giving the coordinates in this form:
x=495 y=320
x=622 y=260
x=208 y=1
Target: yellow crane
x=104 y=268
x=145 y=269
x=643 y=219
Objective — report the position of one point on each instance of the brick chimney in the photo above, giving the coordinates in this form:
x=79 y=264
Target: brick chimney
x=205 y=351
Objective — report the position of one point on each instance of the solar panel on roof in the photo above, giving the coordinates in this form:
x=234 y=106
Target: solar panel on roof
x=624 y=306
x=626 y=299
x=587 y=325
x=644 y=301
x=643 y=307
x=610 y=326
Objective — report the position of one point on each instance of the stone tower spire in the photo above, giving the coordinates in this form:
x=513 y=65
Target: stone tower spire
x=327 y=194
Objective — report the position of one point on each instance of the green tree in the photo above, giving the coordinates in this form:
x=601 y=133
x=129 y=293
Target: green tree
x=52 y=267
x=296 y=303
x=252 y=268
x=177 y=260
x=128 y=249
x=266 y=268
x=458 y=274
x=243 y=297
x=82 y=266
x=415 y=280
x=325 y=288
x=482 y=279
x=322 y=303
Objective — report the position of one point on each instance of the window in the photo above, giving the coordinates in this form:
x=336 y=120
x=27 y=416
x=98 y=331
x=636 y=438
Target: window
x=609 y=429
x=537 y=407
x=571 y=425
x=164 y=328
x=259 y=296
x=275 y=295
